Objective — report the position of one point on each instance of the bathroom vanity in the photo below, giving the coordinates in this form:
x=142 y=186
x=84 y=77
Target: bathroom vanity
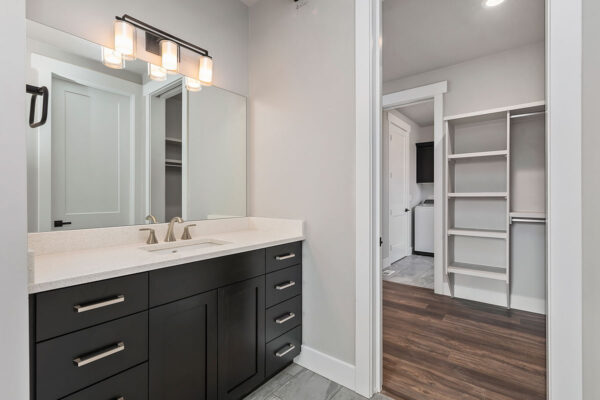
x=195 y=325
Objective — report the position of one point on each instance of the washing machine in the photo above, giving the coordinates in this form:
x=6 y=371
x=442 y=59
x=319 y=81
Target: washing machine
x=424 y=227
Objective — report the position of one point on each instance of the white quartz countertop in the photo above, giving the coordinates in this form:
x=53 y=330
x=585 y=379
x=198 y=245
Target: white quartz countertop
x=53 y=270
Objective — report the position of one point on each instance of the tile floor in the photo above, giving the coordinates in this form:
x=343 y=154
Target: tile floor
x=412 y=270
x=298 y=383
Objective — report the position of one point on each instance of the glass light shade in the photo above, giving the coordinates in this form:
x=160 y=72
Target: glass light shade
x=170 y=55
x=193 y=85
x=205 y=72
x=156 y=72
x=112 y=58
x=125 y=39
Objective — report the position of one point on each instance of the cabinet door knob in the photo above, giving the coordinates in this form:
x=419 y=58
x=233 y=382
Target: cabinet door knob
x=285 y=350
x=283 y=286
x=284 y=319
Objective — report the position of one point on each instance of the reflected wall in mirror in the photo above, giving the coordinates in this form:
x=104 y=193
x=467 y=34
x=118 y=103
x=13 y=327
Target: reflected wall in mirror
x=119 y=146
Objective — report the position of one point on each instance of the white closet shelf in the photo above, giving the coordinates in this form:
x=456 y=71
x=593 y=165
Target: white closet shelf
x=495 y=153
x=482 y=271
x=172 y=161
x=479 y=195
x=173 y=140
x=482 y=233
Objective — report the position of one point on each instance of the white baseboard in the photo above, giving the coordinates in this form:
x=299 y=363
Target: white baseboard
x=331 y=368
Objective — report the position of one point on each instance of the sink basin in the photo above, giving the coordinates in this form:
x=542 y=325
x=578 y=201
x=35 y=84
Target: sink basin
x=182 y=246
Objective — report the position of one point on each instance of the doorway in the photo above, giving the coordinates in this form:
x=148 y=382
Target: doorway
x=407 y=196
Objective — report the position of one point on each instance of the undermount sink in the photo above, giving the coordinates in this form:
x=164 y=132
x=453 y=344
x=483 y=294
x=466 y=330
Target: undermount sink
x=182 y=246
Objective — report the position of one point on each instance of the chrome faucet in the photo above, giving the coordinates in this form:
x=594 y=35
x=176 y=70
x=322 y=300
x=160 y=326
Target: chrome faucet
x=170 y=234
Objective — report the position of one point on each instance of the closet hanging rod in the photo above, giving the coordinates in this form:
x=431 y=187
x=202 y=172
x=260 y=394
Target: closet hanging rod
x=532 y=220
x=531 y=114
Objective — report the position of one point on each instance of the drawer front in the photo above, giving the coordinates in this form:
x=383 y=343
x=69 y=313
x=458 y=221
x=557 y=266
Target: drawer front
x=77 y=360
x=284 y=256
x=170 y=284
x=283 y=285
x=129 y=385
x=66 y=310
x=283 y=317
x=281 y=351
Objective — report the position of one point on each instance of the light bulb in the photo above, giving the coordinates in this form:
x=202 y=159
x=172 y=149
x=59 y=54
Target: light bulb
x=125 y=39
x=492 y=3
x=156 y=72
x=170 y=55
x=112 y=58
x=193 y=85
x=205 y=71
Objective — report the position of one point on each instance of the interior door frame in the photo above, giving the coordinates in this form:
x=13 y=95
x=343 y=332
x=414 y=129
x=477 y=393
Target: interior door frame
x=564 y=228
x=392 y=119
x=47 y=68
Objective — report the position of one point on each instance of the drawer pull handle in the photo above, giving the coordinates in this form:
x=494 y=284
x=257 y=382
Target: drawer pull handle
x=104 y=303
x=286 y=257
x=282 y=320
x=283 y=352
x=90 y=358
x=283 y=286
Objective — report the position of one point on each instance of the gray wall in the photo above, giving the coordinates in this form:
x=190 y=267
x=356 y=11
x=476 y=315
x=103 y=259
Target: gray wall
x=514 y=77
x=14 y=374
x=302 y=151
x=591 y=199
x=221 y=26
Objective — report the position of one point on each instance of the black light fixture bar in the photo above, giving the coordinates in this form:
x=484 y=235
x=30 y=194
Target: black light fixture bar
x=162 y=34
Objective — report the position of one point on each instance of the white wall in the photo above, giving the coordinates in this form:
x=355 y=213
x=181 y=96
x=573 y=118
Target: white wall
x=302 y=151
x=418 y=191
x=14 y=373
x=591 y=199
x=511 y=77
x=220 y=26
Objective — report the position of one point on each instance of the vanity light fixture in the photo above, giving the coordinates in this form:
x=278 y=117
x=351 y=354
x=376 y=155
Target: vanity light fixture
x=125 y=39
x=205 y=72
x=156 y=72
x=492 y=3
x=193 y=85
x=112 y=58
x=167 y=46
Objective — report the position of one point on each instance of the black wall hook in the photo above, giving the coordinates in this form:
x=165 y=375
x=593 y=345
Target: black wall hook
x=35 y=92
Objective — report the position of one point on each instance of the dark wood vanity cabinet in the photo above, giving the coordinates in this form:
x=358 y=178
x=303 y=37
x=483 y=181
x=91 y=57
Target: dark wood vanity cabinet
x=213 y=329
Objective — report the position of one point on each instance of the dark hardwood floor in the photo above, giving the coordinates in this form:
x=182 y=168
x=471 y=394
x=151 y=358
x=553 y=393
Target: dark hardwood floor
x=439 y=348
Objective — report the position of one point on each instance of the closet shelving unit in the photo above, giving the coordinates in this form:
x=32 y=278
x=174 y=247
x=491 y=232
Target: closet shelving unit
x=478 y=193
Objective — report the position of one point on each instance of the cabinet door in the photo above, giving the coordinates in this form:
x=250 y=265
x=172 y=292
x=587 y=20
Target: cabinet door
x=183 y=349
x=241 y=337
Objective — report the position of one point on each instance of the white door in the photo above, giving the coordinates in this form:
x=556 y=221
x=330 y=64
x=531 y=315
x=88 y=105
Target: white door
x=399 y=218
x=91 y=134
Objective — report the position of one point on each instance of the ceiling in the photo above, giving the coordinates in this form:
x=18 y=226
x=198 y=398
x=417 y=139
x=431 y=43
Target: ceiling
x=249 y=3
x=420 y=113
x=422 y=35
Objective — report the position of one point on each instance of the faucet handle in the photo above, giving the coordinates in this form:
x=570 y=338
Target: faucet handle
x=151 y=236
x=186 y=232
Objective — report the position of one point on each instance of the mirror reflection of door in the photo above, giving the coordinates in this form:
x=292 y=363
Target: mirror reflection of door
x=399 y=219
x=91 y=135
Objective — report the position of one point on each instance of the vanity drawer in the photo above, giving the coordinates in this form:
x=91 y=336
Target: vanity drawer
x=283 y=317
x=281 y=351
x=66 y=310
x=129 y=385
x=77 y=360
x=175 y=283
x=283 y=285
x=283 y=256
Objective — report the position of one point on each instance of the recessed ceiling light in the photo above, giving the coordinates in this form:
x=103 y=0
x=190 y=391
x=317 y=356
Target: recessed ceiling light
x=492 y=3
